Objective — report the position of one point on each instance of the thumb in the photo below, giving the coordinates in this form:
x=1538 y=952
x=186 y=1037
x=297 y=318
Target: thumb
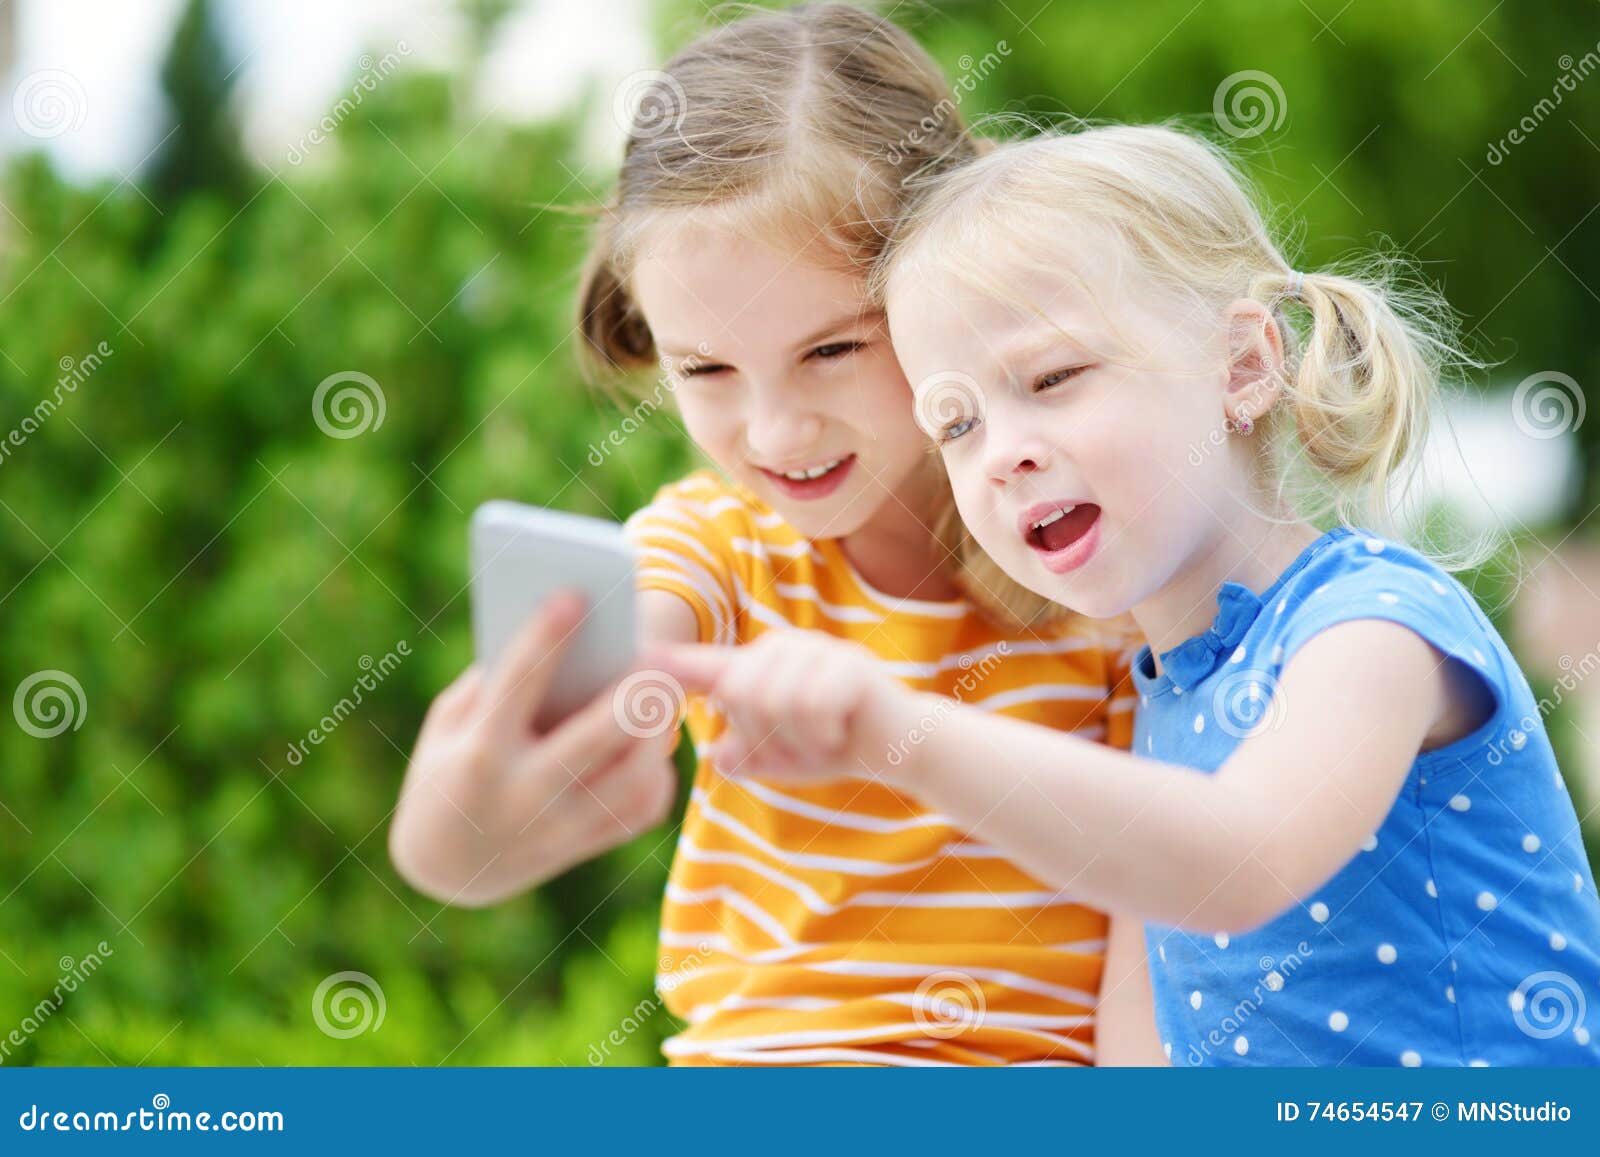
x=697 y=666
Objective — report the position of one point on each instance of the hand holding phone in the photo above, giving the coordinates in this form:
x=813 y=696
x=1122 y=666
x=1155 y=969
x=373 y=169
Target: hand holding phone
x=520 y=557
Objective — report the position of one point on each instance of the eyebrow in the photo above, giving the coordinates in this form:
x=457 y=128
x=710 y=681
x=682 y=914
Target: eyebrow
x=854 y=317
x=1025 y=351
x=843 y=321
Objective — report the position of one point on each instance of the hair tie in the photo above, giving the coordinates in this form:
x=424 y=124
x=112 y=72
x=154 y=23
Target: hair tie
x=1299 y=280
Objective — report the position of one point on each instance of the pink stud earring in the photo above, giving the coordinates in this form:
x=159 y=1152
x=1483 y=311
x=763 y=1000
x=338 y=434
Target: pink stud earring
x=1242 y=425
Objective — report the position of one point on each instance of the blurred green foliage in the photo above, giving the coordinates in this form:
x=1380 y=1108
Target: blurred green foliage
x=215 y=571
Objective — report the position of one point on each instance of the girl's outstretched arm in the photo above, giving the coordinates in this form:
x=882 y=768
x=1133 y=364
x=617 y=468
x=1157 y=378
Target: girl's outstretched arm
x=1220 y=852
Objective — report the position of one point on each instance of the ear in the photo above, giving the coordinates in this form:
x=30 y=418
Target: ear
x=1255 y=360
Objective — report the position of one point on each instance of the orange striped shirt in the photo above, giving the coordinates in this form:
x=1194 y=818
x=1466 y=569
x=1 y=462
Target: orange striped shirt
x=845 y=922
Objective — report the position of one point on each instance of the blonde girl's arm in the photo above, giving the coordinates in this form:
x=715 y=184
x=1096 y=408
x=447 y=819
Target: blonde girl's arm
x=1211 y=852
x=1219 y=852
x=1125 y=1019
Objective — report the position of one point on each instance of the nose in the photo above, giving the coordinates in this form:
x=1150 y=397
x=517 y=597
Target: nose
x=778 y=430
x=1012 y=447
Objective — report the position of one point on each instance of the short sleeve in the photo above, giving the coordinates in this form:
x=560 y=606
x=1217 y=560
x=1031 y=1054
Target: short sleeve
x=682 y=548
x=1378 y=580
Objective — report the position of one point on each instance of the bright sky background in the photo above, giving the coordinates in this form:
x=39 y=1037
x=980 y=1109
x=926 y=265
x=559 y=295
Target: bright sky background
x=296 y=58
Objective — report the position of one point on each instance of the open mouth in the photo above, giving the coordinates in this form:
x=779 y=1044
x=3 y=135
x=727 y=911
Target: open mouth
x=817 y=480
x=1064 y=534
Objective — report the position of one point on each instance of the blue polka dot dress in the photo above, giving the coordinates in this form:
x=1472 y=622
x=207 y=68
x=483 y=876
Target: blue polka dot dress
x=1466 y=929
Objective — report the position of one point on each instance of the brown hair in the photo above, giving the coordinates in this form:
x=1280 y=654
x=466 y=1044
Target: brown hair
x=806 y=123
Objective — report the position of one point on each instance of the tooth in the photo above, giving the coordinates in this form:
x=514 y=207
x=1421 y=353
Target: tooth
x=1048 y=519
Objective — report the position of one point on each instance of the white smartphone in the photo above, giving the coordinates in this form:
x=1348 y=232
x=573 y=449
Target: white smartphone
x=520 y=556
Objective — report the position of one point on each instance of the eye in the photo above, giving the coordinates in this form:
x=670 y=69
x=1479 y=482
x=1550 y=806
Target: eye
x=836 y=349
x=701 y=369
x=1056 y=377
x=956 y=429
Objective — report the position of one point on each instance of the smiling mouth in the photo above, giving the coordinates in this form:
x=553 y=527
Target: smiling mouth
x=810 y=482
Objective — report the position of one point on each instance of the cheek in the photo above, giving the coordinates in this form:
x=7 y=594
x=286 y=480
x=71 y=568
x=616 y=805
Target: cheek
x=711 y=427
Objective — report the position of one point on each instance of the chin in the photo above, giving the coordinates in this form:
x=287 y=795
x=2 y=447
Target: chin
x=831 y=518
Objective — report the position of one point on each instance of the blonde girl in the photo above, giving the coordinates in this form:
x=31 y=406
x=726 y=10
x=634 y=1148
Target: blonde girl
x=1342 y=817
x=831 y=923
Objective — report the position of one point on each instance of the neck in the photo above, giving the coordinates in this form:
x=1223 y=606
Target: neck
x=896 y=550
x=1253 y=554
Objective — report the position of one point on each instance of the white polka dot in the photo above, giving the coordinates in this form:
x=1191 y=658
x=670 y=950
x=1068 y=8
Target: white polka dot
x=1486 y=901
x=1277 y=654
x=1558 y=942
x=1478 y=655
x=1577 y=882
x=1167 y=1048
x=1273 y=980
x=1386 y=953
x=1237 y=656
x=1282 y=604
x=1519 y=740
x=1530 y=843
x=1194 y=999
x=1432 y=888
x=1176 y=690
x=1450 y=993
x=1370 y=844
x=1319 y=912
x=1222 y=939
x=1338 y=1022
x=1459 y=803
x=1477 y=1064
x=1438 y=587
x=1410 y=1058
x=1455 y=966
x=1150 y=743
x=1199 y=724
x=1388 y=598
x=1374 y=546
x=1161 y=951
x=1517 y=1001
x=1144 y=701
x=1582 y=1035
x=1241 y=1045
x=1320 y=589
